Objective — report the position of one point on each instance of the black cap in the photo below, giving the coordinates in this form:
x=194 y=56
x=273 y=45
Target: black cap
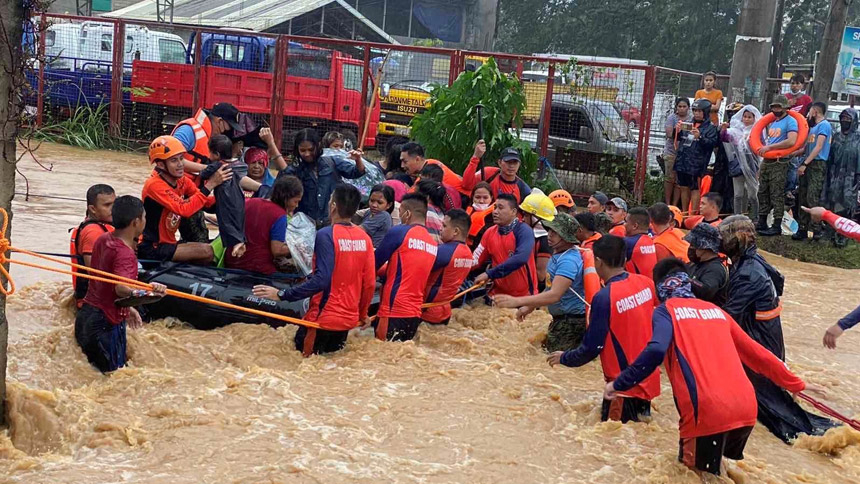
x=227 y=112
x=510 y=154
x=600 y=197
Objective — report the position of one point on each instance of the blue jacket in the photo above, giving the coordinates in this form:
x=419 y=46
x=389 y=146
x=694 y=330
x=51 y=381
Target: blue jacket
x=694 y=159
x=319 y=181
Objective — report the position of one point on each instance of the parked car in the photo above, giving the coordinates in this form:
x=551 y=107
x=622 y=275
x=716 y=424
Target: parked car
x=629 y=112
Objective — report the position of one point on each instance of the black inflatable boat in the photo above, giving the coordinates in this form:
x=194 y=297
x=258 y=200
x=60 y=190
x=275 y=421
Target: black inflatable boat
x=226 y=285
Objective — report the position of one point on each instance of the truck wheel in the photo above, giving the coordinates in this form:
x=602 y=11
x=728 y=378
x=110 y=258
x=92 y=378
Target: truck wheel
x=350 y=140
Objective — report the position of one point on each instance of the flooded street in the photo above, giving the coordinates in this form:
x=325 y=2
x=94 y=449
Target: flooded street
x=472 y=402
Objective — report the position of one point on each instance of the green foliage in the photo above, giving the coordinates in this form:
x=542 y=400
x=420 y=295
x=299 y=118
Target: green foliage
x=682 y=34
x=821 y=252
x=86 y=128
x=139 y=91
x=448 y=129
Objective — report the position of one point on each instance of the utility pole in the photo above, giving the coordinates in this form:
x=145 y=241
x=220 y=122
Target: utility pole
x=751 y=59
x=831 y=42
x=775 y=58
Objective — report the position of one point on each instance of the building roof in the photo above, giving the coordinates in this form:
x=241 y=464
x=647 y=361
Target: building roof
x=256 y=15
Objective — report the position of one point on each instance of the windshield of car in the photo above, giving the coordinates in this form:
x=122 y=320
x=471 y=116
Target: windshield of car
x=613 y=124
x=415 y=69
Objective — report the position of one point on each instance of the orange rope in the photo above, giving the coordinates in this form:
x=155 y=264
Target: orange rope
x=107 y=277
x=456 y=296
x=112 y=279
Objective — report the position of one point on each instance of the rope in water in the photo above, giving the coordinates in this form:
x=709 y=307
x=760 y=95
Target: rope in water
x=855 y=424
x=107 y=277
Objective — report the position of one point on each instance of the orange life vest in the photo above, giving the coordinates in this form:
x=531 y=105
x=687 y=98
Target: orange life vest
x=590 y=279
x=81 y=285
x=481 y=221
x=202 y=132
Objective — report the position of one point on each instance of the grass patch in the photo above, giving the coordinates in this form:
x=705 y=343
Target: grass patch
x=822 y=252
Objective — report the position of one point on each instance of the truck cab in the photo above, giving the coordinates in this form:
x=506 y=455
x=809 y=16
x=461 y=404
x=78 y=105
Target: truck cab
x=246 y=52
x=589 y=139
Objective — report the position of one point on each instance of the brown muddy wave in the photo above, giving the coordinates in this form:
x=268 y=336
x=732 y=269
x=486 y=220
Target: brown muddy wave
x=471 y=402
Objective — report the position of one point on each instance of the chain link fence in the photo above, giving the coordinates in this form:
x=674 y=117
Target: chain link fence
x=589 y=120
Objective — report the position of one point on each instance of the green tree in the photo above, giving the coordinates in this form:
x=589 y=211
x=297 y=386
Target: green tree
x=682 y=34
x=448 y=129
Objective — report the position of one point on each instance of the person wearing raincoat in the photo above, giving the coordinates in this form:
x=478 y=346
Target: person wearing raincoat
x=743 y=163
x=839 y=194
x=755 y=288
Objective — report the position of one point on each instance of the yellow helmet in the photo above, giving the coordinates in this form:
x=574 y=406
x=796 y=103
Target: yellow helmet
x=539 y=205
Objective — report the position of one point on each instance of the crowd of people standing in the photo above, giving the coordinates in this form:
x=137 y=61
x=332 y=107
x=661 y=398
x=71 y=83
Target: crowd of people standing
x=622 y=284
x=782 y=175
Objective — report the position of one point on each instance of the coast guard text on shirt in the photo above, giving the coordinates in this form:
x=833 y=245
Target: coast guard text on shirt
x=692 y=313
x=352 y=245
x=634 y=301
x=419 y=244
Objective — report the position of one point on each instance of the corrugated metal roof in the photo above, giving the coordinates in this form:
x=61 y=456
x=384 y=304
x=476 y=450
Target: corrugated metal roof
x=257 y=15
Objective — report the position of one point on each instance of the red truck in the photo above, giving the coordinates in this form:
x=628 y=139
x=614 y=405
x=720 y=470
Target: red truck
x=322 y=88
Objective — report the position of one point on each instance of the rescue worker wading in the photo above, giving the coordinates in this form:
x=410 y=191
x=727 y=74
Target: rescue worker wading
x=704 y=352
x=452 y=266
x=509 y=247
x=565 y=296
x=537 y=208
x=100 y=199
x=341 y=285
x=405 y=257
x=641 y=253
x=619 y=328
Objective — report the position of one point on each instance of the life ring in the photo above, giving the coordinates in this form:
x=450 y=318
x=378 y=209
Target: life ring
x=756 y=135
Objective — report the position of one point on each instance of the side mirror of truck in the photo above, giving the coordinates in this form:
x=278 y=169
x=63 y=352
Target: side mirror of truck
x=385 y=89
x=585 y=133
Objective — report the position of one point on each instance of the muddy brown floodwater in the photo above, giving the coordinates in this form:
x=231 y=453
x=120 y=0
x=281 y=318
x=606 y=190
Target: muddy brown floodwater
x=473 y=402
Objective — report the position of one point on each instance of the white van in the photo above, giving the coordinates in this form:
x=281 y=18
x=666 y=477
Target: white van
x=61 y=45
x=88 y=46
x=96 y=43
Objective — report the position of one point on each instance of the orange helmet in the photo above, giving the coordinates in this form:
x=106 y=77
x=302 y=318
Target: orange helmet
x=165 y=147
x=561 y=198
x=678 y=216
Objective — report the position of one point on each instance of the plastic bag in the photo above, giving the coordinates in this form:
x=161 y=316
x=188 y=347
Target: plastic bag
x=300 y=236
x=789 y=225
x=373 y=174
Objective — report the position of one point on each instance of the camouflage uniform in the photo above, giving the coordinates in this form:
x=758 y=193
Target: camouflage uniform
x=566 y=331
x=809 y=194
x=602 y=222
x=771 y=192
x=843 y=173
x=193 y=228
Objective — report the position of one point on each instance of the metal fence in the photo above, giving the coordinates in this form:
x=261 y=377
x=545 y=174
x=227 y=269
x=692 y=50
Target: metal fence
x=594 y=122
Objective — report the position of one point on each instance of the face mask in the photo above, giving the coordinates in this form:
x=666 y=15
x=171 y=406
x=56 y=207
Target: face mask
x=845 y=125
x=812 y=122
x=691 y=254
x=480 y=206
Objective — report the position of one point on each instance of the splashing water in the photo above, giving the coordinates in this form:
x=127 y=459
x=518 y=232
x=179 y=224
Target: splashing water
x=471 y=402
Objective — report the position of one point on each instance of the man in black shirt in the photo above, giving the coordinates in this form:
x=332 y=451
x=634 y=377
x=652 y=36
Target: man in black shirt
x=708 y=272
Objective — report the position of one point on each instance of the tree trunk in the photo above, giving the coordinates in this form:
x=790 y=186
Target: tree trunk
x=11 y=22
x=748 y=83
x=831 y=43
